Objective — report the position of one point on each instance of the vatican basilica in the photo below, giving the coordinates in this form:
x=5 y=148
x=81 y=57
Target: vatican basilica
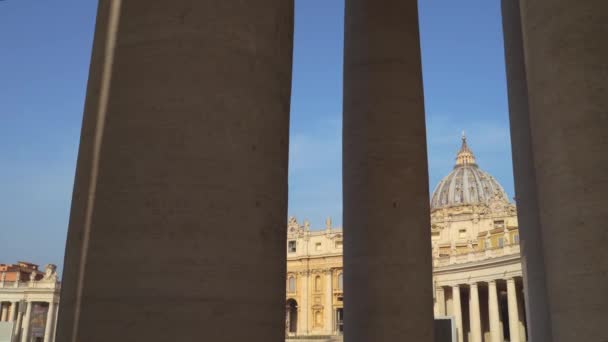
x=477 y=272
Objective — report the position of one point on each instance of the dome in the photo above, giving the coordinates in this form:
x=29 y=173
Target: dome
x=467 y=184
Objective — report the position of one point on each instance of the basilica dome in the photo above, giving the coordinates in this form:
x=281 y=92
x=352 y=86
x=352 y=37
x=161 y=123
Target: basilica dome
x=467 y=184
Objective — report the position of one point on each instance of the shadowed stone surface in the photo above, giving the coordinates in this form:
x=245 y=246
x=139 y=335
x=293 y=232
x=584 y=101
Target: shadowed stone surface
x=180 y=198
x=533 y=260
x=566 y=62
x=387 y=251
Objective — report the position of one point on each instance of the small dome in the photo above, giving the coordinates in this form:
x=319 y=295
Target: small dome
x=467 y=184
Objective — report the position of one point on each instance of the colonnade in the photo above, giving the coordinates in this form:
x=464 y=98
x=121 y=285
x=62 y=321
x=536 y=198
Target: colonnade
x=181 y=181
x=481 y=318
x=12 y=312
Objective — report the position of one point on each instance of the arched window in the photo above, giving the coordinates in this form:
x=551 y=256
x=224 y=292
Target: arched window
x=318 y=283
x=291 y=287
x=340 y=281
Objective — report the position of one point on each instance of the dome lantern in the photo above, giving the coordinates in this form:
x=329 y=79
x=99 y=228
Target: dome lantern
x=465 y=156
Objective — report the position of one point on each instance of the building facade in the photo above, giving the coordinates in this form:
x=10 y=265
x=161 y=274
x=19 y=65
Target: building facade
x=477 y=273
x=29 y=300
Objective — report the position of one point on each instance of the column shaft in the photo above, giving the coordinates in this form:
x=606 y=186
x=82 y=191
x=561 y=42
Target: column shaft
x=521 y=315
x=4 y=311
x=474 y=313
x=440 y=299
x=50 y=320
x=328 y=307
x=513 y=311
x=14 y=312
x=457 y=312
x=18 y=324
x=566 y=64
x=384 y=152
x=181 y=182
x=25 y=324
x=494 y=313
x=528 y=214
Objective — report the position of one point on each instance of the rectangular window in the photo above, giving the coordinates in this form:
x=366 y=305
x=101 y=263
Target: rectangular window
x=291 y=246
x=339 y=244
x=462 y=233
x=516 y=238
x=318 y=246
x=292 y=284
x=499 y=224
x=501 y=242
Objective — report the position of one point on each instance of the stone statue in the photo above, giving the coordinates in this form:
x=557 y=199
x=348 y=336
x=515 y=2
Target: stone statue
x=306 y=225
x=33 y=276
x=50 y=272
x=328 y=223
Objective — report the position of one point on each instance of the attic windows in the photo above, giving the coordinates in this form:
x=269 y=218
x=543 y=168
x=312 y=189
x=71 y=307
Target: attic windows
x=291 y=246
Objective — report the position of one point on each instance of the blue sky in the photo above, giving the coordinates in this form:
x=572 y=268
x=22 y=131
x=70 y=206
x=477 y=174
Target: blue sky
x=44 y=59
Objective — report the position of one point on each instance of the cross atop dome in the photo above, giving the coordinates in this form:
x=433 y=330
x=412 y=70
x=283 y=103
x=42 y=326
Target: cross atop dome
x=465 y=155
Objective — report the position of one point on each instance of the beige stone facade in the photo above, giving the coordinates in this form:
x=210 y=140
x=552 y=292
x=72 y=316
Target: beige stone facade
x=477 y=273
x=29 y=300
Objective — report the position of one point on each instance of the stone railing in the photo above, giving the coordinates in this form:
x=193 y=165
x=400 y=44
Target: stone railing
x=40 y=284
x=462 y=258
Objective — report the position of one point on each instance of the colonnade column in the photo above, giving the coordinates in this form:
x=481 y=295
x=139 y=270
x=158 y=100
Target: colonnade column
x=4 y=311
x=474 y=313
x=532 y=257
x=440 y=299
x=328 y=311
x=566 y=76
x=50 y=321
x=14 y=312
x=384 y=152
x=521 y=315
x=19 y=319
x=25 y=323
x=493 y=313
x=513 y=311
x=457 y=312
x=183 y=161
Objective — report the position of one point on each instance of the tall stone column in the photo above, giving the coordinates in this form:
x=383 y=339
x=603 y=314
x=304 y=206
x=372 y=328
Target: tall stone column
x=566 y=65
x=55 y=323
x=513 y=311
x=50 y=322
x=385 y=177
x=4 y=311
x=14 y=312
x=521 y=315
x=25 y=324
x=18 y=323
x=494 y=313
x=328 y=310
x=528 y=215
x=180 y=193
x=440 y=299
x=474 y=313
x=457 y=312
